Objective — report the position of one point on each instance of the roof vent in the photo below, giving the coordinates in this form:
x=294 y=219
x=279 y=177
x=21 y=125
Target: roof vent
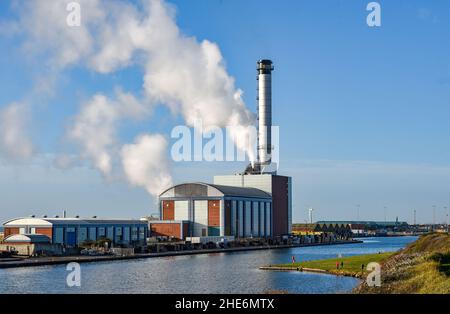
x=32 y=216
x=94 y=217
x=77 y=216
x=45 y=216
x=56 y=216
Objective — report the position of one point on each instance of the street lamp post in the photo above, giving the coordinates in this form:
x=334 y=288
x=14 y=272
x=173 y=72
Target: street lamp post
x=434 y=217
x=446 y=217
x=311 y=215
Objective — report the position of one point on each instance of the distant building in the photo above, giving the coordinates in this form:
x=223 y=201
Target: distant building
x=30 y=245
x=72 y=232
x=368 y=224
x=358 y=229
x=340 y=230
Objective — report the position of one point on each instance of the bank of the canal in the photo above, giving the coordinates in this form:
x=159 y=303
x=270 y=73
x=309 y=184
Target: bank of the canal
x=422 y=267
x=57 y=260
x=233 y=272
x=352 y=266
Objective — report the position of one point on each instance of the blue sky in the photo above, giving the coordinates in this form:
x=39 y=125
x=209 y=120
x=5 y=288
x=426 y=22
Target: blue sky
x=363 y=112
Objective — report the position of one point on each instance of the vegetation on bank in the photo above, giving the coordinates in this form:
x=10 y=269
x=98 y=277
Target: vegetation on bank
x=355 y=266
x=422 y=267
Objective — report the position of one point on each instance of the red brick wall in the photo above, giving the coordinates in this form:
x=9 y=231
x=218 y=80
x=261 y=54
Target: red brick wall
x=214 y=213
x=45 y=231
x=168 y=210
x=11 y=231
x=165 y=230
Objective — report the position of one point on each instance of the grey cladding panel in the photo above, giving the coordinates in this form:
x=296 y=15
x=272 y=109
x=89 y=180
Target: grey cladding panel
x=191 y=190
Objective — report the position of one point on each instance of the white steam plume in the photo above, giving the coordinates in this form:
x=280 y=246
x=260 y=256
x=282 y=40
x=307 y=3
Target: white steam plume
x=145 y=163
x=14 y=142
x=94 y=128
x=181 y=72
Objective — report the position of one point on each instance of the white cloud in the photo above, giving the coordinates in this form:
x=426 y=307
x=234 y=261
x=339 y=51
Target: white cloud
x=15 y=143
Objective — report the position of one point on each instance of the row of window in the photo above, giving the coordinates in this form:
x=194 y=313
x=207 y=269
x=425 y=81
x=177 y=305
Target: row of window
x=78 y=235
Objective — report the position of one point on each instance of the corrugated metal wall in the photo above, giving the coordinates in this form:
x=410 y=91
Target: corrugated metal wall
x=126 y=234
x=268 y=220
x=234 y=225
x=255 y=218
x=248 y=219
x=262 y=222
x=240 y=218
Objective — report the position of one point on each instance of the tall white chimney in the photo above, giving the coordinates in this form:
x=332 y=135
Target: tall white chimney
x=264 y=148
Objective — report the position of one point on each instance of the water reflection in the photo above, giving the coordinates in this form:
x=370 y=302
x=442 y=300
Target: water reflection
x=212 y=273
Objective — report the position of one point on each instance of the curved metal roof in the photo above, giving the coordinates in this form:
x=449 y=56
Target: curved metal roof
x=49 y=222
x=27 y=238
x=198 y=189
x=240 y=191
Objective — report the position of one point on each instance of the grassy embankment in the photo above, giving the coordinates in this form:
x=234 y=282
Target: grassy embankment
x=352 y=264
x=422 y=267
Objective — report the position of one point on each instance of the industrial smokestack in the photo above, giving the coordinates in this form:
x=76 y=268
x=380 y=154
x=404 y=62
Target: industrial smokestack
x=264 y=108
x=264 y=91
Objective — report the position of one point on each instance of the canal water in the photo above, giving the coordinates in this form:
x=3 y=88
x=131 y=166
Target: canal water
x=213 y=273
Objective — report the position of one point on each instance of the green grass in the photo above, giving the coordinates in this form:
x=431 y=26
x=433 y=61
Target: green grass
x=445 y=268
x=352 y=264
x=423 y=267
x=433 y=242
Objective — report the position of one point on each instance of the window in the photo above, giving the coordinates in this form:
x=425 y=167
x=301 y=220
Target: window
x=110 y=233
x=126 y=234
x=119 y=236
x=59 y=235
x=101 y=232
x=92 y=233
x=82 y=235
x=142 y=233
x=134 y=233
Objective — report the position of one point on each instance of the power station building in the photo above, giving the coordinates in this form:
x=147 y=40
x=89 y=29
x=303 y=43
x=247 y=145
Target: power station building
x=255 y=203
x=205 y=210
